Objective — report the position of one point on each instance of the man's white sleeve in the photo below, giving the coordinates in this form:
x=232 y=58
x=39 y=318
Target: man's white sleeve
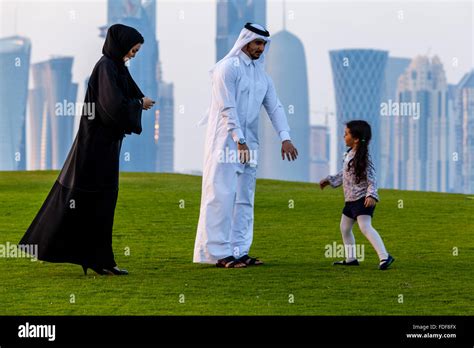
x=276 y=112
x=224 y=90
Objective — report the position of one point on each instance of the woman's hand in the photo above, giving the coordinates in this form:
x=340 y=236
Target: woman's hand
x=369 y=202
x=323 y=183
x=147 y=103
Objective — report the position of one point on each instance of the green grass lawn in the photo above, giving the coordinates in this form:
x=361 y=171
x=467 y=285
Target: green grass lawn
x=164 y=281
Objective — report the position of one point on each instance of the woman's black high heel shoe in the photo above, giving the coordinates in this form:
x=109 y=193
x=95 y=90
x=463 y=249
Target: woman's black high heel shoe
x=106 y=271
x=116 y=271
x=99 y=271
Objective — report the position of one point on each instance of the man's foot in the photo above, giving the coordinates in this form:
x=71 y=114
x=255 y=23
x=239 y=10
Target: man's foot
x=250 y=261
x=384 y=264
x=230 y=262
x=345 y=263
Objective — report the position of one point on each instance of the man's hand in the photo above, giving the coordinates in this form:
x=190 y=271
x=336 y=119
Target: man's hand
x=289 y=150
x=147 y=103
x=244 y=153
x=369 y=202
x=323 y=183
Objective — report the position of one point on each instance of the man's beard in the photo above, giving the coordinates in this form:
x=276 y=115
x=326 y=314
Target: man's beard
x=255 y=57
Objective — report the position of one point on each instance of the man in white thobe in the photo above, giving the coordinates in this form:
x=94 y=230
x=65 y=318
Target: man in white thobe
x=240 y=86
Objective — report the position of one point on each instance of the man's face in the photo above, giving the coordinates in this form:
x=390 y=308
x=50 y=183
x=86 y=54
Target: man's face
x=255 y=48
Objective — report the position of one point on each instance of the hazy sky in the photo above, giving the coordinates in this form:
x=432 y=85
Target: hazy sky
x=186 y=34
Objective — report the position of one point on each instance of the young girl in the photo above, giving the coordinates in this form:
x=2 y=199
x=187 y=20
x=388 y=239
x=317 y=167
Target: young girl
x=360 y=194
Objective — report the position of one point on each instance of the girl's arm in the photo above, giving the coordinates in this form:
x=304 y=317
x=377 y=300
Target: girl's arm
x=372 y=184
x=335 y=180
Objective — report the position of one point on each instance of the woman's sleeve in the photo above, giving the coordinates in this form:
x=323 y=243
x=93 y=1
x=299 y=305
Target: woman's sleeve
x=115 y=108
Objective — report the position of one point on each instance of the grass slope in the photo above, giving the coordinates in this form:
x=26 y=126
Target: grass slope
x=164 y=281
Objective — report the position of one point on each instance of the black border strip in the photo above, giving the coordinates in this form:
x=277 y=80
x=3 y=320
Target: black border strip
x=382 y=331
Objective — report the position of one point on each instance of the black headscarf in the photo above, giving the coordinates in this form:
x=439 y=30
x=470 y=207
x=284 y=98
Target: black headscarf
x=120 y=39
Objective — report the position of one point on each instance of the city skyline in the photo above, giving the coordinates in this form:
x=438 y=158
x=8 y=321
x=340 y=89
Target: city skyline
x=188 y=154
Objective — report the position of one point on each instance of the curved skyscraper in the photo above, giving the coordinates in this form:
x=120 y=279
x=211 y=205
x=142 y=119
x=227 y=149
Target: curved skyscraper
x=51 y=113
x=286 y=64
x=358 y=77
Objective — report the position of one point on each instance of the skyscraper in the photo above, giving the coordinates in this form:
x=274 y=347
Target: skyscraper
x=37 y=126
x=164 y=128
x=454 y=141
x=139 y=152
x=286 y=64
x=394 y=69
x=14 y=71
x=231 y=18
x=319 y=151
x=465 y=90
x=51 y=115
x=358 y=76
x=422 y=152
x=164 y=124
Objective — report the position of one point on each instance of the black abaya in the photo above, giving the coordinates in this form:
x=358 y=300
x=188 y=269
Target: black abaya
x=75 y=222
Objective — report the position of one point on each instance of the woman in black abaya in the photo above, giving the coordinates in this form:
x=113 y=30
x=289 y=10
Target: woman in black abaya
x=75 y=222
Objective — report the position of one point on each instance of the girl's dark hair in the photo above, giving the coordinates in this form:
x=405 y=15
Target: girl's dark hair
x=361 y=161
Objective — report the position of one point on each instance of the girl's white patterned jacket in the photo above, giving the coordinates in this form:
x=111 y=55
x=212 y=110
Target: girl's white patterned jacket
x=352 y=190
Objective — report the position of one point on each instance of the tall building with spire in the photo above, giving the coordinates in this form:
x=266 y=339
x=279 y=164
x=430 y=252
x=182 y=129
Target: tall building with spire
x=15 y=54
x=231 y=18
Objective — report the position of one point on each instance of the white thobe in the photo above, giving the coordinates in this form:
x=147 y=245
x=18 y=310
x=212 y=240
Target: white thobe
x=239 y=88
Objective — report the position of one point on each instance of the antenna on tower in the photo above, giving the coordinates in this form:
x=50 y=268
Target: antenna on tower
x=15 y=19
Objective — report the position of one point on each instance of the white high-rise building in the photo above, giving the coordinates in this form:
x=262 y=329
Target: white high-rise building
x=319 y=150
x=422 y=150
x=455 y=154
x=395 y=67
x=466 y=113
